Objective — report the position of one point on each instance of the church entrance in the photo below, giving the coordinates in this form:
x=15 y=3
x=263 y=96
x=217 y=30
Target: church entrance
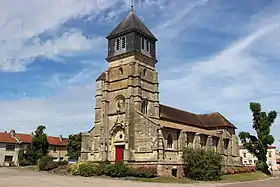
x=119 y=149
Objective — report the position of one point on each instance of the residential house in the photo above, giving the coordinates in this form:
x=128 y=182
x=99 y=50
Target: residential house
x=278 y=159
x=249 y=159
x=11 y=142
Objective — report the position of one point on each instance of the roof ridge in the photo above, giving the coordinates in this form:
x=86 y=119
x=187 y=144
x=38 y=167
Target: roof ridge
x=178 y=109
x=181 y=110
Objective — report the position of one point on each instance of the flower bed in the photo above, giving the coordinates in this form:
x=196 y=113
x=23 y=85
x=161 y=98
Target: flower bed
x=236 y=170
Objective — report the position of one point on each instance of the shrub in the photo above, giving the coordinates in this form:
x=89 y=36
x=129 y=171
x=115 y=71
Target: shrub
x=42 y=163
x=86 y=169
x=51 y=165
x=23 y=159
x=99 y=168
x=74 y=169
x=202 y=164
x=116 y=170
x=142 y=172
x=62 y=163
x=235 y=170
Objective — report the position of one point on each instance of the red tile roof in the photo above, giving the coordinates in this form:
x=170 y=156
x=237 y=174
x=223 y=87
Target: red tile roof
x=57 y=141
x=25 y=138
x=6 y=137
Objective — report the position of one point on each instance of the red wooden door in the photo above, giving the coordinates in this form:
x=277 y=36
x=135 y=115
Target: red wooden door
x=119 y=153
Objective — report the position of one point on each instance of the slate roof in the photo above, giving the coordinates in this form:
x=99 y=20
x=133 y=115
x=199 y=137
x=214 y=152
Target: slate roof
x=198 y=120
x=216 y=120
x=6 y=137
x=180 y=116
x=131 y=23
x=101 y=77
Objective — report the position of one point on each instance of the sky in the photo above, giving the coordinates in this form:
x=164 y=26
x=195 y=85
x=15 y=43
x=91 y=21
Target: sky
x=214 y=55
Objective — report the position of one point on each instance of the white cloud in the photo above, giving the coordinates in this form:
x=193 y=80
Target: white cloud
x=19 y=25
x=70 y=109
x=229 y=80
x=224 y=82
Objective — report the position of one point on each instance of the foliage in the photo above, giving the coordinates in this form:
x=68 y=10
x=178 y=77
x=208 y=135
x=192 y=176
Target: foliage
x=36 y=150
x=202 y=164
x=236 y=170
x=142 y=172
x=258 y=145
x=87 y=169
x=39 y=143
x=116 y=170
x=46 y=163
x=23 y=159
x=74 y=145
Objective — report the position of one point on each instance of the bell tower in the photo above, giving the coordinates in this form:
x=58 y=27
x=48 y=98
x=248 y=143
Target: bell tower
x=129 y=37
x=127 y=87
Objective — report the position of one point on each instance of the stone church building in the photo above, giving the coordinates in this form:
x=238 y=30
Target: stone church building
x=130 y=123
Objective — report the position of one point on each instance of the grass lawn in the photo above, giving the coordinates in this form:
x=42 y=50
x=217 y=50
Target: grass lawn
x=225 y=179
x=161 y=180
x=244 y=177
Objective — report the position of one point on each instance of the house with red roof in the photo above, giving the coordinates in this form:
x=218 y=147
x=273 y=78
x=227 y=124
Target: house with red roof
x=11 y=142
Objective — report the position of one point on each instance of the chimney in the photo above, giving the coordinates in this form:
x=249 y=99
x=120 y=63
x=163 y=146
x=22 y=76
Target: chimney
x=60 y=137
x=13 y=133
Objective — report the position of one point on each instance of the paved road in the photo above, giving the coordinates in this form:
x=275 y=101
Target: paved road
x=14 y=177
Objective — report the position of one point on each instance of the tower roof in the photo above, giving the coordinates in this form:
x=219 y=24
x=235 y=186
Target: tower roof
x=131 y=23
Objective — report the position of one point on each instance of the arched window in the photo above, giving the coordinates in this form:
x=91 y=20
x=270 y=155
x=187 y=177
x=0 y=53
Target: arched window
x=144 y=72
x=143 y=43
x=117 y=44
x=148 y=45
x=123 y=42
x=169 y=141
x=144 y=106
x=121 y=70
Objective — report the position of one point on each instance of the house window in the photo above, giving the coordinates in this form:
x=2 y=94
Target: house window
x=169 y=141
x=8 y=159
x=143 y=41
x=117 y=44
x=10 y=147
x=255 y=161
x=244 y=155
x=144 y=106
x=270 y=163
x=54 y=149
x=245 y=162
x=269 y=154
x=123 y=42
x=250 y=161
x=148 y=45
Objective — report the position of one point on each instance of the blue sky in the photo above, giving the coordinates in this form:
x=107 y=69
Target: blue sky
x=214 y=55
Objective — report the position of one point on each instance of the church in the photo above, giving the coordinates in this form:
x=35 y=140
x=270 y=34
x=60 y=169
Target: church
x=130 y=123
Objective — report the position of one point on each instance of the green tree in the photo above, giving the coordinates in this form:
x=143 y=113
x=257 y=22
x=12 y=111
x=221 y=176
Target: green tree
x=39 y=144
x=258 y=145
x=36 y=150
x=74 y=145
